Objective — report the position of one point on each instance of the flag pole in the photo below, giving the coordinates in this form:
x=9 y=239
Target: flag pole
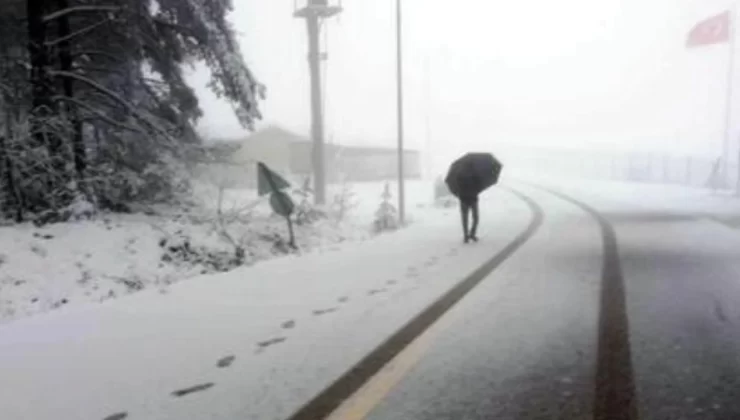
x=729 y=96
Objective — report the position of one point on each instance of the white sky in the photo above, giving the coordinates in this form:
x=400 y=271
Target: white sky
x=581 y=73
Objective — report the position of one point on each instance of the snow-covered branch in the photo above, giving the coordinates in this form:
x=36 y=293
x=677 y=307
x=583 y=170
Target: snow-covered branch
x=179 y=28
x=88 y=53
x=78 y=9
x=97 y=113
x=113 y=96
x=77 y=33
x=100 y=69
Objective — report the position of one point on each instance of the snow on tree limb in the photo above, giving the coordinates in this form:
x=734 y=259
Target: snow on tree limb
x=89 y=53
x=231 y=78
x=99 y=114
x=77 y=9
x=75 y=34
x=114 y=96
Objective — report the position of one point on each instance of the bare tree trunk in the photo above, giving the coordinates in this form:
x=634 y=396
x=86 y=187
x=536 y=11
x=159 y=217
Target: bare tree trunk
x=65 y=64
x=14 y=205
x=6 y=171
x=41 y=105
x=41 y=89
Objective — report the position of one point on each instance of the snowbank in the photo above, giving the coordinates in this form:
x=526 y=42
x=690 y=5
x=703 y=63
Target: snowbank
x=254 y=343
x=71 y=264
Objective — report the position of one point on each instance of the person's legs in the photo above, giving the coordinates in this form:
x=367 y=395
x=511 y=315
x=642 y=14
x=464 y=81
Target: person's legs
x=464 y=209
x=474 y=229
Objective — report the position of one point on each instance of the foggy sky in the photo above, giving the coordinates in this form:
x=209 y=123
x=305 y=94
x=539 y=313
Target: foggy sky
x=571 y=73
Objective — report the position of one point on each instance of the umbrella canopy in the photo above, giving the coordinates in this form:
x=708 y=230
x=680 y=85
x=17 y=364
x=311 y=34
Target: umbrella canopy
x=471 y=174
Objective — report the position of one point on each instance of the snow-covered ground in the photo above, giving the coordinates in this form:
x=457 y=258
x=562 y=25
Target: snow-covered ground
x=669 y=198
x=260 y=340
x=252 y=343
x=91 y=261
x=42 y=269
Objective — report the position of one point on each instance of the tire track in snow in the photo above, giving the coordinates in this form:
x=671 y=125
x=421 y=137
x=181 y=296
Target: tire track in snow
x=615 y=396
x=330 y=398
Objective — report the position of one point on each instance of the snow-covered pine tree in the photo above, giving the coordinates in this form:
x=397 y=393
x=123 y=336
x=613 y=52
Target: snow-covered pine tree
x=306 y=211
x=108 y=108
x=386 y=217
x=344 y=201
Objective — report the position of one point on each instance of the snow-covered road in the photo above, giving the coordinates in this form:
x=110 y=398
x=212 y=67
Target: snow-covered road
x=259 y=343
x=535 y=341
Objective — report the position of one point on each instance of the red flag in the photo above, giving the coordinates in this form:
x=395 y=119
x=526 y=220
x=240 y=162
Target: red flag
x=715 y=30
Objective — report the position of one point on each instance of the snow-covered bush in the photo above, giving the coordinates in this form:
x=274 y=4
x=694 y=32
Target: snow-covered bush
x=344 y=201
x=306 y=211
x=386 y=217
x=224 y=221
x=180 y=250
x=33 y=179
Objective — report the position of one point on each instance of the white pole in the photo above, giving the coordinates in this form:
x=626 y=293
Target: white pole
x=313 y=22
x=427 y=122
x=399 y=98
x=729 y=96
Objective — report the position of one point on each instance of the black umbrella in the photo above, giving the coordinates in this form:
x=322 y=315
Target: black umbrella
x=469 y=175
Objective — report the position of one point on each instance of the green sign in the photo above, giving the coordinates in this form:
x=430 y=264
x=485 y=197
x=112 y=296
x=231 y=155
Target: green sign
x=281 y=203
x=268 y=181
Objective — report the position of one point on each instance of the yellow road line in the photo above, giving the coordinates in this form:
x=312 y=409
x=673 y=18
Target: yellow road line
x=347 y=385
x=376 y=389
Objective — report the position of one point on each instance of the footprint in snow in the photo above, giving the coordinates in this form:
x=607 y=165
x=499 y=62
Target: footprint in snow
x=193 y=389
x=373 y=292
x=719 y=312
x=288 y=324
x=391 y=282
x=41 y=252
x=117 y=416
x=343 y=299
x=319 y=312
x=226 y=361
x=271 y=342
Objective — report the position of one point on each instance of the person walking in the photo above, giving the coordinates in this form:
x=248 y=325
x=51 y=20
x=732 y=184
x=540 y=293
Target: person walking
x=467 y=177
x=468 y=206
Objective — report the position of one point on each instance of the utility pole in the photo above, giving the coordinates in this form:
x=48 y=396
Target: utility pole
x=315 y=12
x=399 y=98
